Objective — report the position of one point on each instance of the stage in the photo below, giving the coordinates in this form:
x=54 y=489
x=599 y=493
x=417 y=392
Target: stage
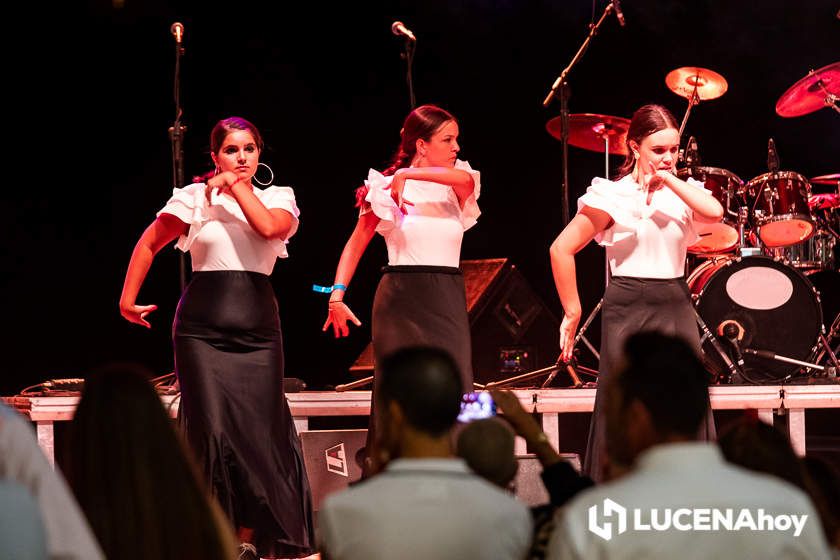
x=784 y=405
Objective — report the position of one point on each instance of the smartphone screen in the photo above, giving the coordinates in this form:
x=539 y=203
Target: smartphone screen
x=475 y=406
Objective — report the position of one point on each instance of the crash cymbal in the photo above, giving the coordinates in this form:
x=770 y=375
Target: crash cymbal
x=589 y=130
x=830 y=179
x=684 y=81
x=810 y=93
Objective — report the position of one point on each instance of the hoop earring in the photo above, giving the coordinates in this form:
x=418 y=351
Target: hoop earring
x=216 y=171
x=270 y=181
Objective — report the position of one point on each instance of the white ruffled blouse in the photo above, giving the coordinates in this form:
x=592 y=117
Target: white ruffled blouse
x=644 y=241
x=431 y=230
x=220 y=237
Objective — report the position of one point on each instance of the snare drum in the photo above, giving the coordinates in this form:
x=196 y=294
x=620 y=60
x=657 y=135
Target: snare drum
x=728 y=189
x=780 y=207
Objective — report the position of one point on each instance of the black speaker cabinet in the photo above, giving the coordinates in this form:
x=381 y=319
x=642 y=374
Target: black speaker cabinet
x=512 y=330
x=332 y=459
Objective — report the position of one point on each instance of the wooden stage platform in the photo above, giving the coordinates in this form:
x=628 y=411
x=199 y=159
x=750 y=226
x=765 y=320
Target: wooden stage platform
x=787 y=402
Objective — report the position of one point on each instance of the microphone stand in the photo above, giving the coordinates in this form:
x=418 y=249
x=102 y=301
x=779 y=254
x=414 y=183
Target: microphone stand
x=561 y=83
x=176 y=136
x=408 y=56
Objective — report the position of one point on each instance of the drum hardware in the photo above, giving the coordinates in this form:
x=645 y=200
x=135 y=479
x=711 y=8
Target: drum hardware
x=828 y=371
x=735 y=373
x=818 y=89
x=743 y=220
x=826 y=351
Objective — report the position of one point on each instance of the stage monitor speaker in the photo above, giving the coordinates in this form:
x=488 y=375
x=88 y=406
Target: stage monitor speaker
x=333 y=460
x=512 y=330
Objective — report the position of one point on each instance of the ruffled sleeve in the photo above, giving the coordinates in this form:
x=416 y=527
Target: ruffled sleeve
x=283 y=198
x=470 y=211
x=381 y=203
x=616 y=199
x=190 y=206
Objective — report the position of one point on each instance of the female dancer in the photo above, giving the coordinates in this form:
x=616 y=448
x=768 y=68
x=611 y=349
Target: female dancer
x=228 y=346
x=421 y=205
x=645 y=219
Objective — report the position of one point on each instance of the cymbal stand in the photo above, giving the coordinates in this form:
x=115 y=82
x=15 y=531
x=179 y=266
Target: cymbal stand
x=744 y=250
x=572 y=367
x=830 y=99
x=693 y=100
x=833 y=332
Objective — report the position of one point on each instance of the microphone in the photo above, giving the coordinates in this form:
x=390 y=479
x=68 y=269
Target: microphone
x=399 y=28
x=772 y=156
x=177 y=31
x=618 y=13
x=734 y=333
x=692 y=156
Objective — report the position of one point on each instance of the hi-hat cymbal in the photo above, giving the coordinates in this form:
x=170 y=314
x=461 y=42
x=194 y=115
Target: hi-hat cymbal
x=688 y=79
x=830 y=179
x=809 y=94
x=589 y=131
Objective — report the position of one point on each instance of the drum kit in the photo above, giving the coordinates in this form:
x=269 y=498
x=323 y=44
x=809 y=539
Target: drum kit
x=766 y=277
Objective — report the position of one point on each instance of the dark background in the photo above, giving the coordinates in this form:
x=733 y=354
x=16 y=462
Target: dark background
x=326 y=86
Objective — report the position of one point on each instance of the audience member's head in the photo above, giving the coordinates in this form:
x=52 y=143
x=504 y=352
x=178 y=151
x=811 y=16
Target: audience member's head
x=754 y=445
x=418 y=400
x=757 y=446
x=660 y=395
x=133 y=477
x=487 y=446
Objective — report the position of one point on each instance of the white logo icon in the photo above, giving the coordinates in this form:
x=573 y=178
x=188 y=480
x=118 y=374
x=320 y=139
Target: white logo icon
x=611 y=509
x=336 y=459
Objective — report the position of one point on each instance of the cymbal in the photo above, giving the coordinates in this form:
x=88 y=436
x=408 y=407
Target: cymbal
x=830 y=179
x=709 y=84
x=807 y=95
x=824 y=201
x=589 y=131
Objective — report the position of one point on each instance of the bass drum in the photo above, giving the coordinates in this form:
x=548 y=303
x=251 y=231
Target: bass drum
x=777 y=305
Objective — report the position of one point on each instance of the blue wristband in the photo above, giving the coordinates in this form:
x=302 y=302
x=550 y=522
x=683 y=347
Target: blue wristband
x=328 y=289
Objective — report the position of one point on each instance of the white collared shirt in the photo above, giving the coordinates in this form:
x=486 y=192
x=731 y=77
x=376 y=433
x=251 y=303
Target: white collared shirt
x=687 y=475
x=425 y=508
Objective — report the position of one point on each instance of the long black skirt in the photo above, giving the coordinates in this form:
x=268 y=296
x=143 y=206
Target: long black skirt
x=229 y=363
x=633 y=305
x=420 y=306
